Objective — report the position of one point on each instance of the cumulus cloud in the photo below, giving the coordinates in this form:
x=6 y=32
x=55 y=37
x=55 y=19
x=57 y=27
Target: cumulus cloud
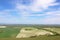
x=7 y=13
x=4 y=13
x=53 y=13
x=29 y=11
x=41 y=4
x=52 y=20
x=36 y=6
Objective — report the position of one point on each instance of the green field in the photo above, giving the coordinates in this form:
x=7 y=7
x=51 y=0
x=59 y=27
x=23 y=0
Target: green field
x=10 y=33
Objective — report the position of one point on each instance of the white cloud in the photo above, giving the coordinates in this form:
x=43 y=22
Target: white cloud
x=53 y=13
x=41 y=4
x=34 y=7
x=37 y=5
x=52 y=20
x=6 y=13
x=26 y=10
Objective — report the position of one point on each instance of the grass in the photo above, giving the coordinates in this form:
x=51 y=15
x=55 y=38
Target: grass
x=57 y=30
x=10 y=34
x=35 y=38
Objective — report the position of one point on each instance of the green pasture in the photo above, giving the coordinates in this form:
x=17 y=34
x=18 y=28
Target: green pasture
x=10 y=33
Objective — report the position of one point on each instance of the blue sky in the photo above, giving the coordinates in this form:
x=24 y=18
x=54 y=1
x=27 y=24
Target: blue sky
x=30 y=11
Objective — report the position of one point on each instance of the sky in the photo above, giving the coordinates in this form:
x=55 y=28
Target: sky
x=29 y=11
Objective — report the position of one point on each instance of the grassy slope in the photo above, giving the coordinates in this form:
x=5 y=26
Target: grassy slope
x=10 y=34
x=36 y=38
x=54 y=29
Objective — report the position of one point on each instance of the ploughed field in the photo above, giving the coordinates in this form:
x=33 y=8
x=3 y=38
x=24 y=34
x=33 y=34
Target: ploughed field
x=10 y=33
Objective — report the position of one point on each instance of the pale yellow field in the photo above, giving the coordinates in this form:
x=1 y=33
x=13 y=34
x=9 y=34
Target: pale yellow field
x=54 y=29
x=32 y=32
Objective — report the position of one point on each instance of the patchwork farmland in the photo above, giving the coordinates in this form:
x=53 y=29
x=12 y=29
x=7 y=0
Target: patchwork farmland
x=33 y=32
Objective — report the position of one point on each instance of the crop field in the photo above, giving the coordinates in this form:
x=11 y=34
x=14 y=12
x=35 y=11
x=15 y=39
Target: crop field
x=54 y=29
x=10 y=33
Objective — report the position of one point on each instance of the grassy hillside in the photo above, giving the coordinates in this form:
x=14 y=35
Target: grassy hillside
x=35 y=38
x=10 y=33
